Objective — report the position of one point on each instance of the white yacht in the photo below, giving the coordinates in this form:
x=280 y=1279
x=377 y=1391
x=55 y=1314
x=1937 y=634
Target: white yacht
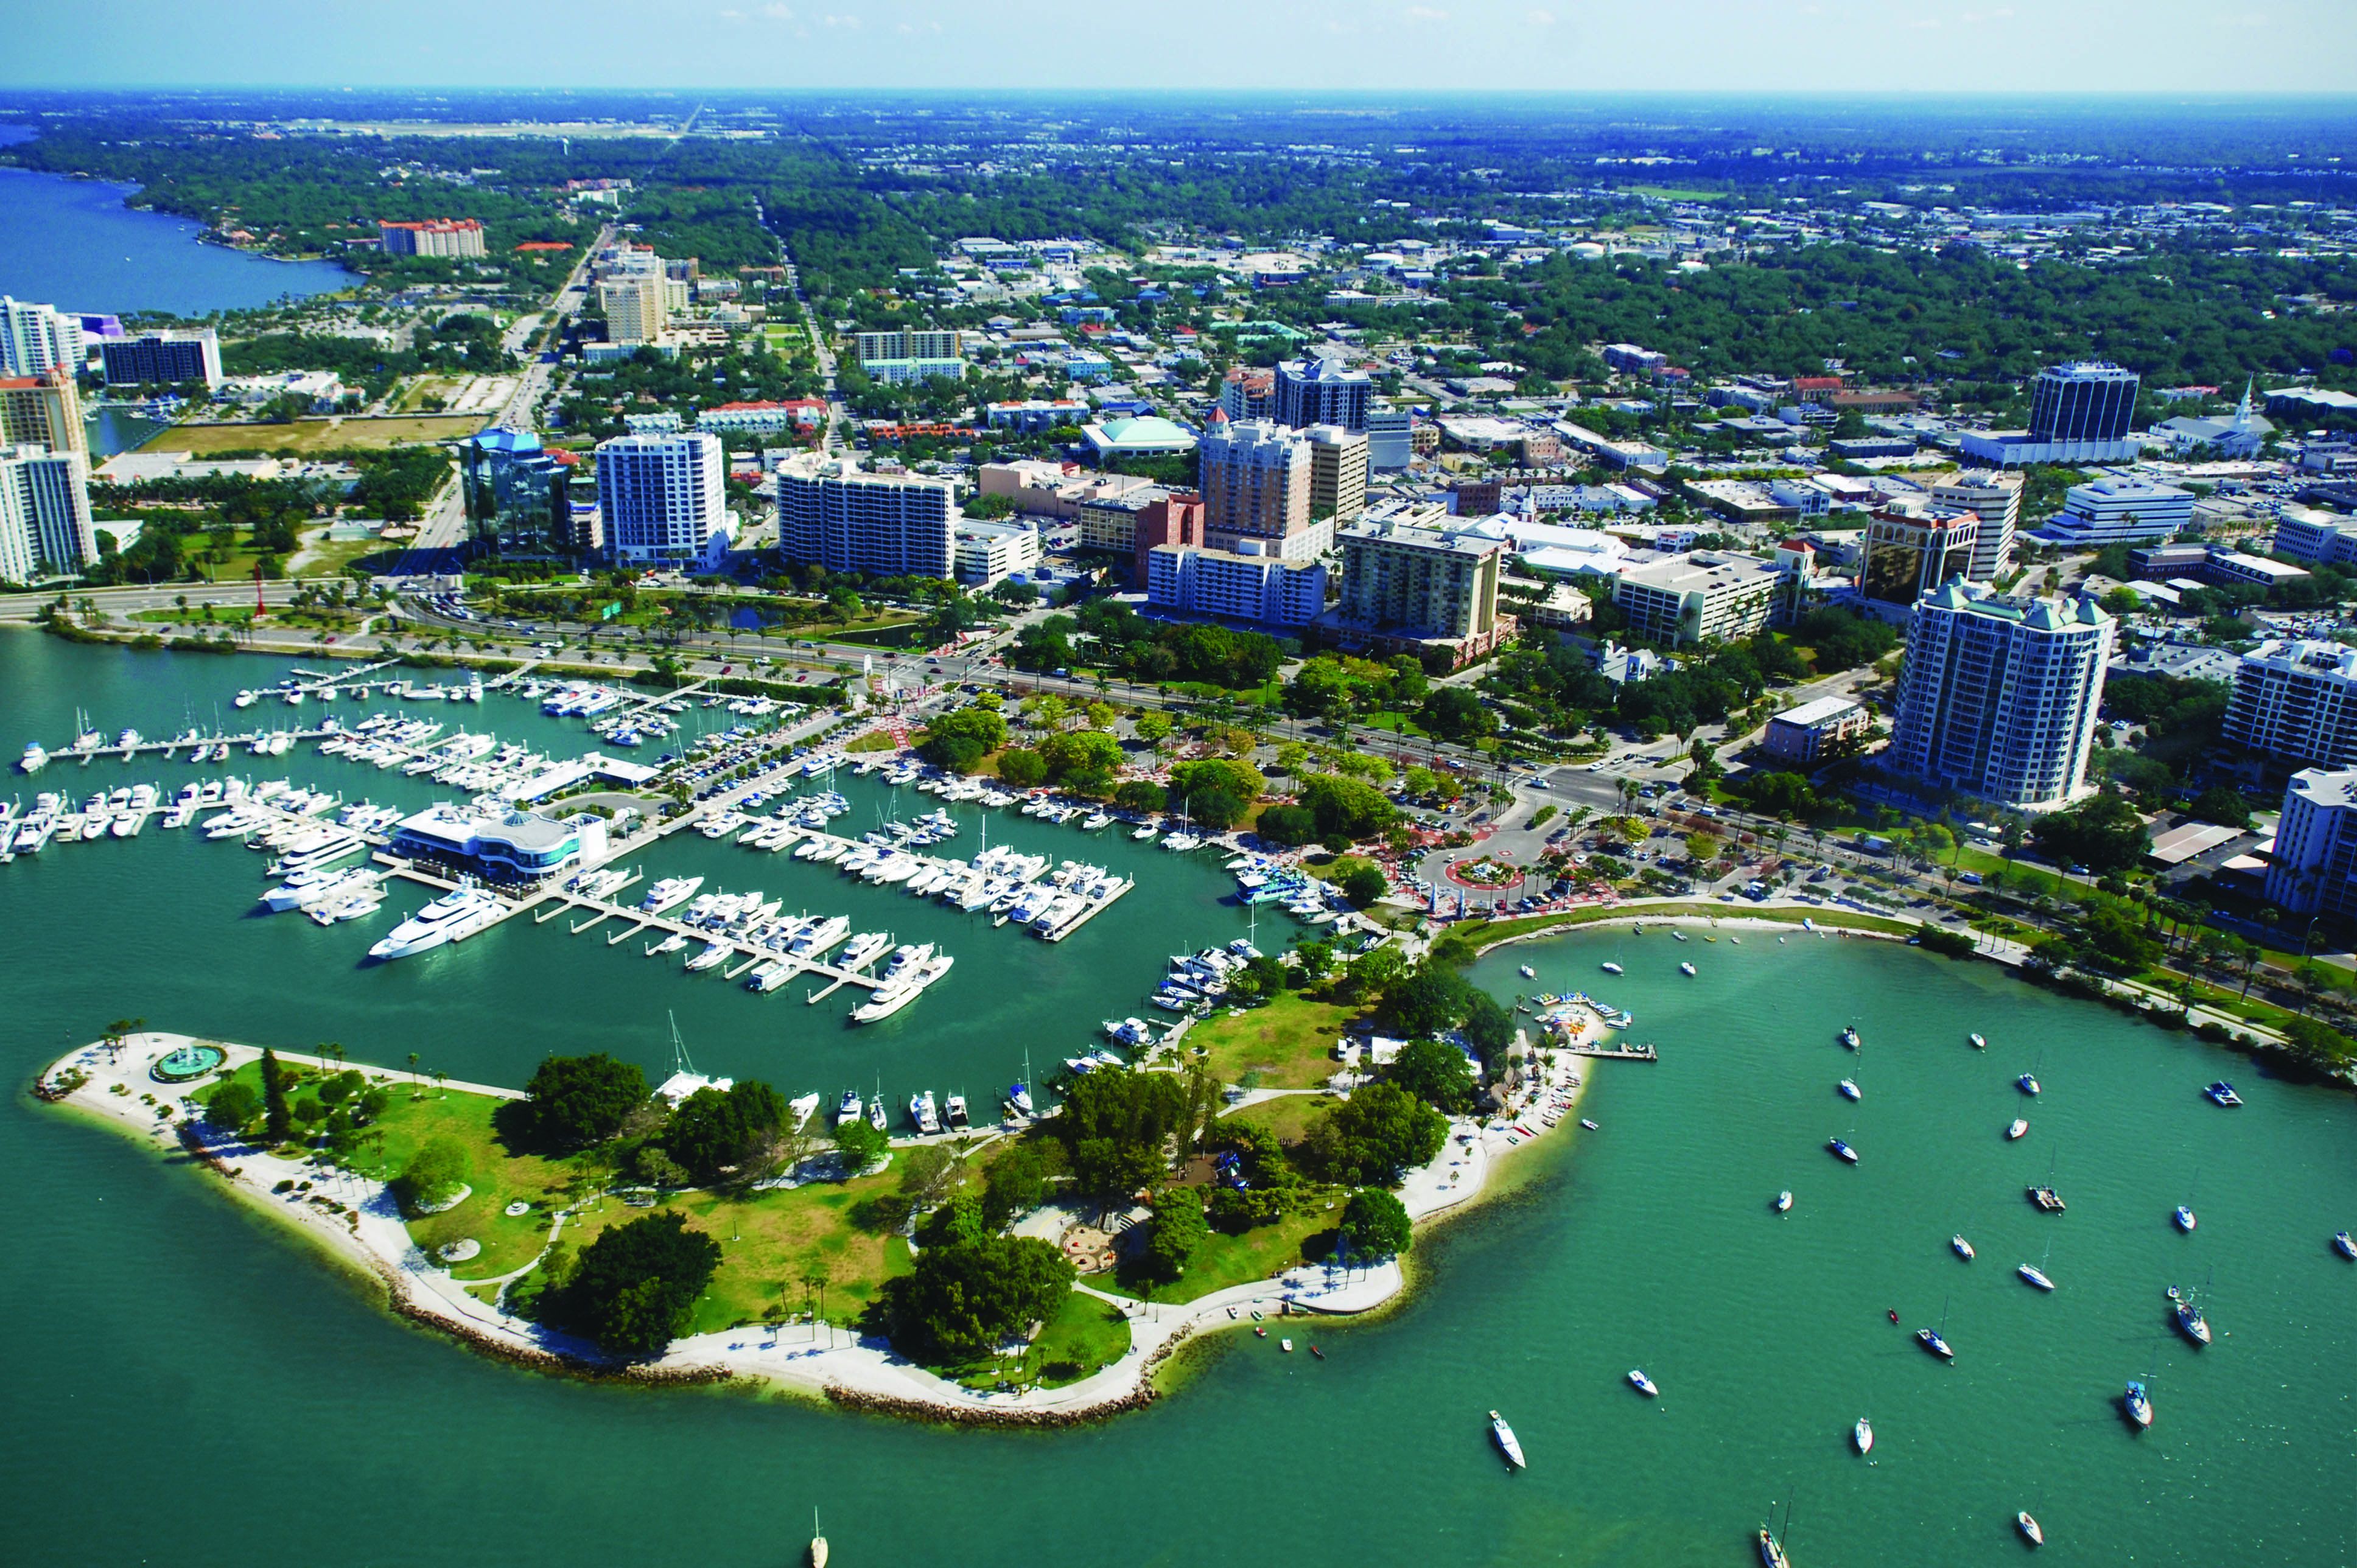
x=669 y=892
x=451 y=917
x=34 y=760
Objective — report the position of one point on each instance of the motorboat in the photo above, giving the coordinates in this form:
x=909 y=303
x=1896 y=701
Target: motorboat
x=2019 y=1128
x=1861 y=1437
x=1527 y=972
x=2223 y=1093
x=1019 y=1095
x=1963 y=1247
x=34 y=760
x=1642 y=1384
x=847 y=1110
x=1841 y=1150
x=2138 y=1405
x=1849 y=1089
x=1503 y=1436
x=452 y=918
x=2035 y=1275
x=1610 y=967
x=668 y=894
x=954 y=1108
x=1783 y=1204
x=924 y=1113
x=2026 y=1084
x=2028 y=1527
x=1978 y=1043
x=2184 y=1217
x=1687 y=970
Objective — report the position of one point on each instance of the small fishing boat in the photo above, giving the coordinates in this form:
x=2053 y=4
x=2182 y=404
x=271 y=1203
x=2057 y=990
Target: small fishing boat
x=1259 y=1332
x=1591 y=1127
x=1978 y=1043
x=1849 y=1037
x=2020 y=1128
x=1784 y=1202
x=1687 y=970
x=2138 y=1405
x=1841 y=1150
x=1503 y=1436
x=1642 y=1384
x=1861 y=1437
x=1849 y=1089
x=2028 y=1527
x=1963 y=1247
x=2223 y=1093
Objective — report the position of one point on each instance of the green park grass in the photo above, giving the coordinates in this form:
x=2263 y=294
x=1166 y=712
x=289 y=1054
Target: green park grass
x=1287 y=1044
x=1085 y=1334
x=1225 y=1260
x=1287 y=1116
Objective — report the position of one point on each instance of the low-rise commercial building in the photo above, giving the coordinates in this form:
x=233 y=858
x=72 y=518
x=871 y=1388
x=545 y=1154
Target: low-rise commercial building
x=2116 y=511
x=990 y=553
x=803 y=415
x=1809 y=733
x=509 y=846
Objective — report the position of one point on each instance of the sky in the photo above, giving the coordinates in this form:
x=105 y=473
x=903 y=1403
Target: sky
x=1803 y=45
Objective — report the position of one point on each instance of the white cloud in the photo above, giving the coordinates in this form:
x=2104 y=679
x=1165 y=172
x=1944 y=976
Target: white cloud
x=1425 y=14
x=778 y=13
x=1539 y=18
x=848 y=24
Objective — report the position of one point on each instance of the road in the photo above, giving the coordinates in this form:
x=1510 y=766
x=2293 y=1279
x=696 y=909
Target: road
x=131 y=601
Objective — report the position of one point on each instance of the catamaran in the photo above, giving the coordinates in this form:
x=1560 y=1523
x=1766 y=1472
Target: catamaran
x=2223 y=1093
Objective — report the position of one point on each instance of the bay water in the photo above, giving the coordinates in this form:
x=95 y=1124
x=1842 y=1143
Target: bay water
x=187 y=1383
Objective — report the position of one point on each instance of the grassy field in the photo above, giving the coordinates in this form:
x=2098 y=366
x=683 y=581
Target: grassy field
x=309 y=437
x=1289 y=1115
x=1226 y=1260
x=1288 y=1043
x=1085 y=1335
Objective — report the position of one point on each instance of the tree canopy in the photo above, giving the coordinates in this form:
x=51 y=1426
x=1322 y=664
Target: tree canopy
x=574 y=1101
x=635 y=1285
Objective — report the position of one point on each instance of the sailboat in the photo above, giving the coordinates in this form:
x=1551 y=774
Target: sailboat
x=818 y=1543
x=2184 y=1216
x=2138 y=1400
x=2036 y=1273
x=1934 y=1340
x=1772 y=1542
x=2189 y=1321
x=1861 y=1437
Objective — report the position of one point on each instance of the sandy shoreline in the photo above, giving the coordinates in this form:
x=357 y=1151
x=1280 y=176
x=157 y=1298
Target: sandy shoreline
x=357 y=1220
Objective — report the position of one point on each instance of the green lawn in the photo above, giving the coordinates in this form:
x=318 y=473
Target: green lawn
x=1085 y=1335
x=1288 y=1043
x=1289 y=1115
x=1257 y=1254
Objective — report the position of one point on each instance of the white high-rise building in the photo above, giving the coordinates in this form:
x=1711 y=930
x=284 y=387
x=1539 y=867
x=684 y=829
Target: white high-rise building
x=2313 y=870
x=44 y=513
x=835 y=514
x=2297 y=700
x=35 y=337
x=1998 y=696
x=1995 y=500
x=663 y=497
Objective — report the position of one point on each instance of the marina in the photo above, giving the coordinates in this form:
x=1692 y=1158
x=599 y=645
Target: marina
x=1646 y=1244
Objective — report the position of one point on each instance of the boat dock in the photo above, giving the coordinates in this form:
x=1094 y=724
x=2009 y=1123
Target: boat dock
x=752 y=953
x=1644 y=1053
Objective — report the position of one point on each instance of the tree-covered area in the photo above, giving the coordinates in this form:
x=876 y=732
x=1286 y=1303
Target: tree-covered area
x=633 y=1287
x=597 y=396
x=463 y=343
x=1109 y=634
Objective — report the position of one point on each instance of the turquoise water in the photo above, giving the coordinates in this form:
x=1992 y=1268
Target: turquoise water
x=73 y=244
x=187 y=1383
